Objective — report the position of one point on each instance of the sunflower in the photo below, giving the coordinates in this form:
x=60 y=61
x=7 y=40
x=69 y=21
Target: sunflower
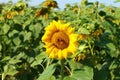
x=60 y=40
x=50 y=4
x=42 y=12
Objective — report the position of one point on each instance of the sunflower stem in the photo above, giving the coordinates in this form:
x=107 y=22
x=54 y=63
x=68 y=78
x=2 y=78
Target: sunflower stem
x=62 y=69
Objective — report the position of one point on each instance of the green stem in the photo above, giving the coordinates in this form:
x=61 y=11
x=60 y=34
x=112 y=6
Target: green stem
x=62 y=69
x=91 y=48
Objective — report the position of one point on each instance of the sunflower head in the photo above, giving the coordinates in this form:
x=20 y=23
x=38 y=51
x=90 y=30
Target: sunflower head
x=41 y=12
x=60 y=40
x=50 y=4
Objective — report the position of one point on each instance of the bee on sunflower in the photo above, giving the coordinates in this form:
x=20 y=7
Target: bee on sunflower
x=60 y=40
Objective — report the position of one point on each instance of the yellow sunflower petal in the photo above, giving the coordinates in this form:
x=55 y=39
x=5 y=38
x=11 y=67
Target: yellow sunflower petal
x=60 y=56
x=48 y=50
x=72 y=48
x=60 y=40
x=52 y=55
x=70 y=30
x=73 y=37
x=65 y=53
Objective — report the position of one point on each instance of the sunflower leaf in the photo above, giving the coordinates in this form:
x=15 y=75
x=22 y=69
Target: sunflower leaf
x=47 y=73
x=83 y=74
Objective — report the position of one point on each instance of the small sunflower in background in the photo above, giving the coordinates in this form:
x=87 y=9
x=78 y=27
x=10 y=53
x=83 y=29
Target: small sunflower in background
x=60 y=40
x=10 y=15
x=83 y=36
x=79 y=57
x=97 y=33
x=42 y=12
x=50 y=4
x=75 y=8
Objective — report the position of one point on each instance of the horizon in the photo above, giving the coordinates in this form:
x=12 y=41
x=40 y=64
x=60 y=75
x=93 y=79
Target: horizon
x=62 y=3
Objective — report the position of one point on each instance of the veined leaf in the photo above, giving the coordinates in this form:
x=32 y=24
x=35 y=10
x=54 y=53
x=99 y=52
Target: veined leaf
x=6 y=28
x=47 y=73
x=83 y=74
x=39 y=59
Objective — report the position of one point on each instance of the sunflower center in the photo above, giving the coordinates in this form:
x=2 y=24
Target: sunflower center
x=60 y=40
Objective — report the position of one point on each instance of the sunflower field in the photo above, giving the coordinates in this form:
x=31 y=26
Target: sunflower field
x=79 y=42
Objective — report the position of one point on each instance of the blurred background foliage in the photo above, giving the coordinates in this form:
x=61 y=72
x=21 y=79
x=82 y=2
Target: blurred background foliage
x=23 y=57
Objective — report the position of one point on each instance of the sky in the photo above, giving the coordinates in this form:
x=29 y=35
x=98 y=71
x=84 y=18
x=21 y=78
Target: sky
x=61 y=3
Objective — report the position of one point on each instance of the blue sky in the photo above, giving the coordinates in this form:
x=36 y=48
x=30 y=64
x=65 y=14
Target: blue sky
x=62 y=3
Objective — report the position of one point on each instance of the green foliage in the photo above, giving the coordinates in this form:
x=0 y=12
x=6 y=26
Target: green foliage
x=47 y=73
x=22 y=53
x=117 y=0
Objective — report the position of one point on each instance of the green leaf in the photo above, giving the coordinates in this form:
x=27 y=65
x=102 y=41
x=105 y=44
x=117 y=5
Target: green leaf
x=10 y=70
x=18 y=20
x=17 y=41
x=83 y=74
x=12 y=33
x=111 y=46
x=39 y=59
x=69 y=78
x=6 y=28
x=84 y=31
x=27 y=22
x=99 y=66
x=6 y=58
x=52 y=78
x=74 y=65
x=14 y=61
x=82 y=47
x=20 y=55
x=112 y=50
x=36 y=29
x=27 y=36
x=47 y=72
x=113 y=65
